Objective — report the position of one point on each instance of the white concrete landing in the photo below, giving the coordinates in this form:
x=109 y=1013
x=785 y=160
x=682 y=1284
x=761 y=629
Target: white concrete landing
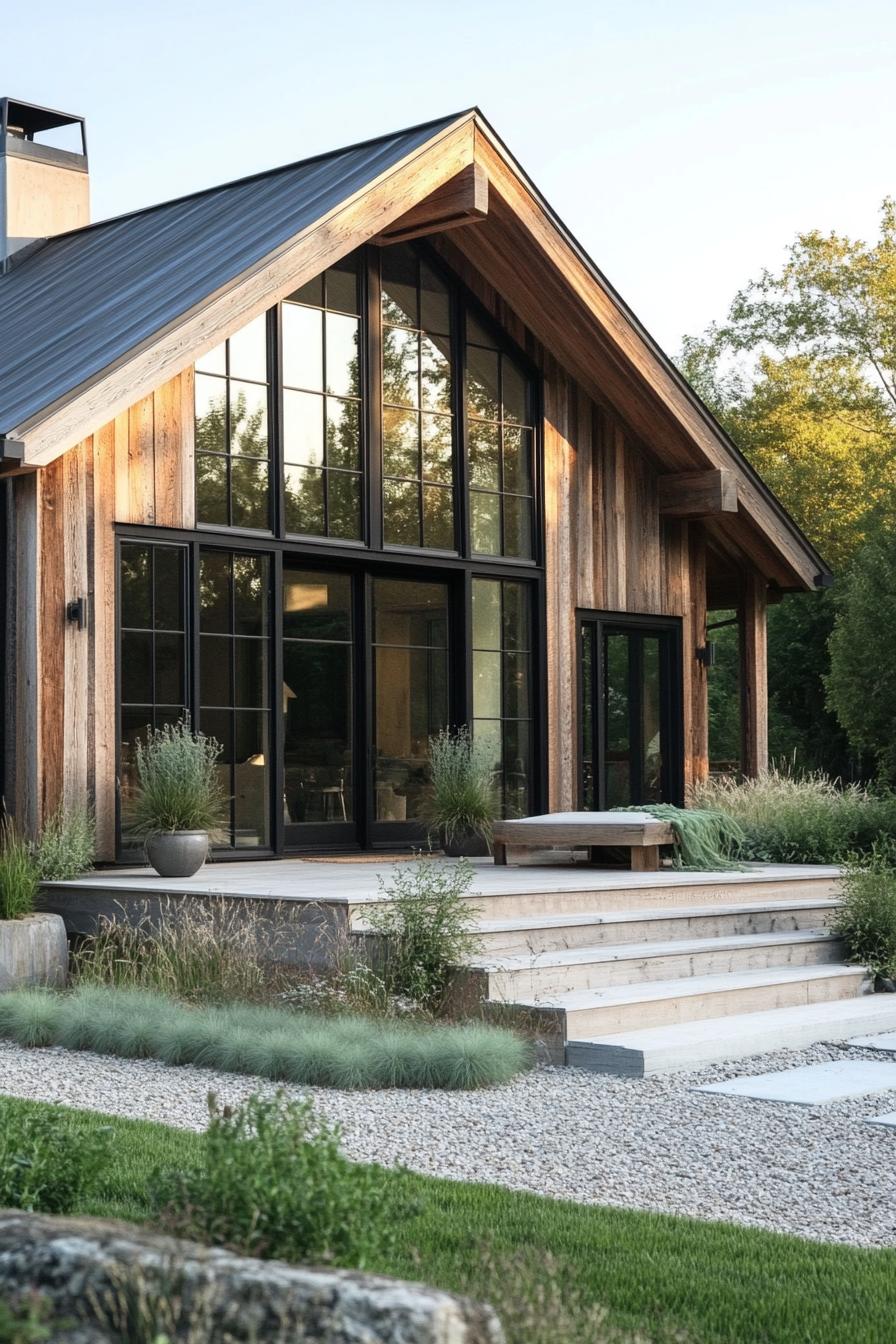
x=812 y=1085
x=885 y=1041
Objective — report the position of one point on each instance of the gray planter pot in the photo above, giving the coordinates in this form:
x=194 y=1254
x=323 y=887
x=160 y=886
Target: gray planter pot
x=177 y=853
x=466 y=845
x=33 y=951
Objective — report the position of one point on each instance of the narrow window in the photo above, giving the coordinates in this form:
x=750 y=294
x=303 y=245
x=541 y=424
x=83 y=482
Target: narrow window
x=418 y=424
x=502 y=686
x=152 y=655
x=500 y=438
x=232 y=440
x=234 y=685
x=322 y=471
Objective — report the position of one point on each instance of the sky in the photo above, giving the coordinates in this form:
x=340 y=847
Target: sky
x=684 y=144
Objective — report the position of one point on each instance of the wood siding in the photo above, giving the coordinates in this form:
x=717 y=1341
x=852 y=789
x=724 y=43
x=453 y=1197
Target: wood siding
x=136 y=469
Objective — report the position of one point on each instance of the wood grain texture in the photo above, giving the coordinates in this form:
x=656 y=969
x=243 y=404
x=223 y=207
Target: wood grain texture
x=76 y=642
x=51 y=642
x=754 y=676
x=698 y=494
x=463 y=200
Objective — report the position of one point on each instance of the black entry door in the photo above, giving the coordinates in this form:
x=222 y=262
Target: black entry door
x=630 y=748
x=366 y=683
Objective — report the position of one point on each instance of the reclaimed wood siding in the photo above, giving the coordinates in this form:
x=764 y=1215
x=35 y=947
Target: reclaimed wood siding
x=136 y=469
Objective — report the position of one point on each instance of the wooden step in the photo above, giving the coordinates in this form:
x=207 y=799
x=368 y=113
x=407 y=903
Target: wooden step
x=602 y=1012
x=510 y=979
x=549 y=933
x=691 y=1045
x=647 y=891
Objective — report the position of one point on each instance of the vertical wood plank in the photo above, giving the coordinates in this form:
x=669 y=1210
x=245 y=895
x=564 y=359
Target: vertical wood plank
x=51 y=661
x=75 y=642
x=167 y=465
x=754 y=675
x=583 y=502
x=559 y=582
x=188 y=448
x=119 y=446
x=699 y=727
x=103 y=638
x=141 y=462
x=615 y=558
x=26 y=497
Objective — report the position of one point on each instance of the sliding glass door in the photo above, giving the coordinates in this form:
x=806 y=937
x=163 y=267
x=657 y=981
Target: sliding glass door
x=630 y=748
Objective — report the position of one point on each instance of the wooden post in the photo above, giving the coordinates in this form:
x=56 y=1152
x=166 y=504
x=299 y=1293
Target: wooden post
x=754 y=676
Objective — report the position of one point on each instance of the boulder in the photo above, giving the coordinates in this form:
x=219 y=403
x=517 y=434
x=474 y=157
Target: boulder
x=112 y=1281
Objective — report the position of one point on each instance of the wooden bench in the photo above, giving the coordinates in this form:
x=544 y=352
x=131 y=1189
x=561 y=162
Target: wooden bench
x=636 y=831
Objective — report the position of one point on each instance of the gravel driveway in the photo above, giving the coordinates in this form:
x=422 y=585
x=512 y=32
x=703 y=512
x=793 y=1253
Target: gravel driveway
x=635 y=1143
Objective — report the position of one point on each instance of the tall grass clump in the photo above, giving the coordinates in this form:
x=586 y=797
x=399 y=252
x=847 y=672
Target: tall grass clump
x=18 y=874
x=302 y=1049
x=178 y=785
x=791 y=818
x=274 y=1182
x=461 y=801
x=424 y=927
x=866 y=917
x=208 y=950
x=67 y=844
x=707 y=839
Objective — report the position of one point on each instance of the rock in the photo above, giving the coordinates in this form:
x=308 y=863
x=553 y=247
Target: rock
x=97 y=1275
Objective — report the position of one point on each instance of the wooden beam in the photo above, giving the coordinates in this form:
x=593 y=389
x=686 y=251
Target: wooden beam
x=754 y=676
x=698 y=494
x=463 y=200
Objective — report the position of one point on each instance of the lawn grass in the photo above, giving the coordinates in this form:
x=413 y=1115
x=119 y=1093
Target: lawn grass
x=711 y=1282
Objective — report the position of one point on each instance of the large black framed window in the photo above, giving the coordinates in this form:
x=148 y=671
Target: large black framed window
x=232 y=435
x=378 y=405
x=503 y=677
x=153 y=650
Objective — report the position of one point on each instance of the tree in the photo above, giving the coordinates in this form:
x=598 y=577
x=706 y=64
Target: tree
x=862 y=680
x=803 y=376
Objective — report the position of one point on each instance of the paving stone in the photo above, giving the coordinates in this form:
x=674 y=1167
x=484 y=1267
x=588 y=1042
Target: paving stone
x=885 y=1041
x=887 y=1121
x=812 y=1085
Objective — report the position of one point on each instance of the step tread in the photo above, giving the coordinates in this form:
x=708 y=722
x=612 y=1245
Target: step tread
x=653 y=990
x=582 y=956
x=770 y=1020
x=520 y=923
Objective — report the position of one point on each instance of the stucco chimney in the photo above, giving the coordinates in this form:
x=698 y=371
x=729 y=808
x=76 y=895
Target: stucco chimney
x=44 y=189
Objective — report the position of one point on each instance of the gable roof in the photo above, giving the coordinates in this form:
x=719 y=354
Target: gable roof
x=82 y=300
x=94 y=319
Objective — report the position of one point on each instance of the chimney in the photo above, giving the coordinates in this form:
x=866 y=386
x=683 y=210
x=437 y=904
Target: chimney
x=44 y=189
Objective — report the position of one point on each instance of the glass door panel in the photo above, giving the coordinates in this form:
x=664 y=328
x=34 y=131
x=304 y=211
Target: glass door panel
x=318 y=707
x=630 y=727
x=410 y=695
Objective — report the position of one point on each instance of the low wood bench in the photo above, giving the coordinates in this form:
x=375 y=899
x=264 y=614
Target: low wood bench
x=636 y=831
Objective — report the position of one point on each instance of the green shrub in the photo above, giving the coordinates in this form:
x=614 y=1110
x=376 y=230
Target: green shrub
x=47 y=1163
x=273 y=1182
x=792 y=818
x=707 y=839
x=178 y=785
x=425 y=928
x=303 y=1049
x=67 y=845
x=461 y=799
x=866 y=919
x=202 y=951
x=18 y=874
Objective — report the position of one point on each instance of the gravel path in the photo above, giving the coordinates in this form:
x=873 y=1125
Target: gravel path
x=635 y=1143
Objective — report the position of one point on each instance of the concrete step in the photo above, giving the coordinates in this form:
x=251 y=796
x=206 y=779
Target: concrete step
x=690 y=1045
x=645 y=891
x=584 y=1013
x=512 y=978
x=552 y=933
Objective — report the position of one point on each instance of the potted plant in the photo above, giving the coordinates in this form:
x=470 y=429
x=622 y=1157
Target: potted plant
x=179 y=806
x=461 y=802
x=33 y=946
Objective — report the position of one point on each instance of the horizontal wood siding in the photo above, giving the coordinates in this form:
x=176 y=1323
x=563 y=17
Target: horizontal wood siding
x=136 y=469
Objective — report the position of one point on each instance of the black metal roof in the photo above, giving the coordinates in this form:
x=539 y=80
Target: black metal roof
x=81 y=301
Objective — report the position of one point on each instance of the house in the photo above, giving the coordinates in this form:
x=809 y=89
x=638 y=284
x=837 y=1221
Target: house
x=335 y=455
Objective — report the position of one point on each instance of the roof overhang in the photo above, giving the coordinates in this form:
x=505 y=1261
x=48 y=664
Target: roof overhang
x=525 y=252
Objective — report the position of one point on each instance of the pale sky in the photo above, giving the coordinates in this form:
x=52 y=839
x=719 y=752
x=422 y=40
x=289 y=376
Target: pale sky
x=684 y=144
